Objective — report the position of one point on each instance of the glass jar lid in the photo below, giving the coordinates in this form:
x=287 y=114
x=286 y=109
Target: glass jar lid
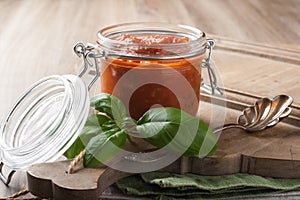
x=44 y=122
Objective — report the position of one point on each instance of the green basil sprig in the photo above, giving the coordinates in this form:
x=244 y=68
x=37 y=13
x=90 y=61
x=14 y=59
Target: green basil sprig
x=106 y=132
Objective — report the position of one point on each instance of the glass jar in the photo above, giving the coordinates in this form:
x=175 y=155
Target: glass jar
x=152 y=64
x=163 y=70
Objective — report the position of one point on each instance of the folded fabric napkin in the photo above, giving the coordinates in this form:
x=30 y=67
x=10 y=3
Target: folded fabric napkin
x=170 y=186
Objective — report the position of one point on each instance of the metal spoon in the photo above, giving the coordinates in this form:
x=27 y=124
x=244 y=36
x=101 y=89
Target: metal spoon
x=264 y=114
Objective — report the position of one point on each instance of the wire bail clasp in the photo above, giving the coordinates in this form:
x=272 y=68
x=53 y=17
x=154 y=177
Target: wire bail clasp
x=89 y=60
x=6 y=180
x=212 y=88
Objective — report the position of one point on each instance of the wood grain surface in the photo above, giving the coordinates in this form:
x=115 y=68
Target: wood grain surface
x=37 y=37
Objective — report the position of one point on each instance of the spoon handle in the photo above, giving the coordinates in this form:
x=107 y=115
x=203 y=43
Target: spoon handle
x=228 y=126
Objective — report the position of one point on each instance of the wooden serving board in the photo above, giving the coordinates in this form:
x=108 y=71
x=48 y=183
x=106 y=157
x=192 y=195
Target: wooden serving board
x=249 y=72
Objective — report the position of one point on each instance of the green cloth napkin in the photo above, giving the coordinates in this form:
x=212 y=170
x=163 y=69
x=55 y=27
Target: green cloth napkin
x=170 y=186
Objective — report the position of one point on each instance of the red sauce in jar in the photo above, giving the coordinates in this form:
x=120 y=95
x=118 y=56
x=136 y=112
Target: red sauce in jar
x=144 y=83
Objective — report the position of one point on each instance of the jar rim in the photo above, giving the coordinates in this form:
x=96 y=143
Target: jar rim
x=196 y=43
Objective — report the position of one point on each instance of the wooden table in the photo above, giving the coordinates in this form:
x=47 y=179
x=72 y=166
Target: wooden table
x=37 y=37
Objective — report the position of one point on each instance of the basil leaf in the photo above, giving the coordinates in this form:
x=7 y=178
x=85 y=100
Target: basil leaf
x=110 y=105
x=94 y=125
x=188 y=135
x=104 y=146
x=205 y=143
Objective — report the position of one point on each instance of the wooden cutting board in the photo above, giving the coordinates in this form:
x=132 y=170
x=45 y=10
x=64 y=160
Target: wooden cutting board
x=248 y=71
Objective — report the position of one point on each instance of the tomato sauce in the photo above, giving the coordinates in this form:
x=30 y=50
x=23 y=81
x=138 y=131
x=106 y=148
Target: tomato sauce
x=145 y=83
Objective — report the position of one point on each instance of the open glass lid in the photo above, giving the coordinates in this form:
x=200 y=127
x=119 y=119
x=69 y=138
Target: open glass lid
x=44 y=122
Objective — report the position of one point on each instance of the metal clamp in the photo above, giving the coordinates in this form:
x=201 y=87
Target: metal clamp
x=6 y=180
x=206 y=63
x=89 y=60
